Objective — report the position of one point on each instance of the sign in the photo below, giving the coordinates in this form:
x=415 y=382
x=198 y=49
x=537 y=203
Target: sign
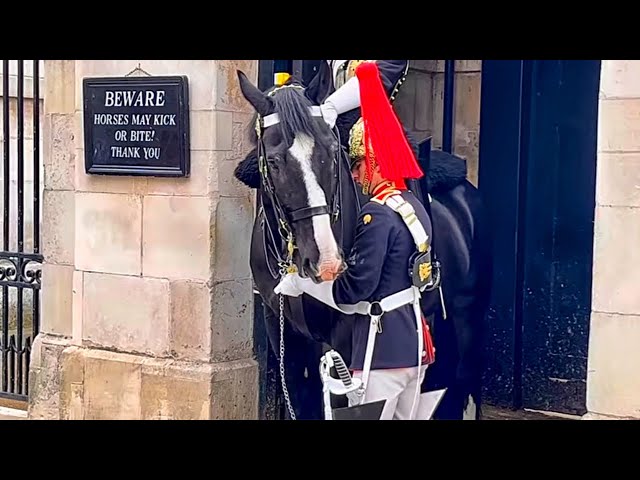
x=137 y=126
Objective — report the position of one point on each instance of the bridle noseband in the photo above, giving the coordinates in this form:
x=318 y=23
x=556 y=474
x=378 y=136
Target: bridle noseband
x=284 y=218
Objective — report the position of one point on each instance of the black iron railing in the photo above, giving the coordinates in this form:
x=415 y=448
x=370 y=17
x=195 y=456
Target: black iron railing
x=20 y=270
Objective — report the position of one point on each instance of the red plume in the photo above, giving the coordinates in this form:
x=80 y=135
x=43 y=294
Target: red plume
x=382 y=130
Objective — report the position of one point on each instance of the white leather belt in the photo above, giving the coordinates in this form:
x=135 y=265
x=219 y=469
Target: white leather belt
x=387 y=304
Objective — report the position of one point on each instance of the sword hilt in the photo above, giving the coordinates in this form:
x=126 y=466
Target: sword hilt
x=345 y=384
x=341 y=368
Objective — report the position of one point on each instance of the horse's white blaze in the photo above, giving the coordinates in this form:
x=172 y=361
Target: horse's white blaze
x=302 y=150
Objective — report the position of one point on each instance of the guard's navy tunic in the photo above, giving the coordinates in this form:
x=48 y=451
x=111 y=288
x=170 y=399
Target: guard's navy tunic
x=379 y=267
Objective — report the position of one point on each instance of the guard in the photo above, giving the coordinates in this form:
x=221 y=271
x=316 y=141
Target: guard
x=389 y=268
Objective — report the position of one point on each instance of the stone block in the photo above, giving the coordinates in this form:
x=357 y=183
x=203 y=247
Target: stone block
x=232 y=322
x=234 y=391
x=108 y=233
x=126 y=313
x=202 y=130
x=247 y=120
x=72 y=384
x=234 y=224
x=104 y=385
x=175 y=394
x=177 y=241
x=211 y=130
x=44 y=378
x=60 y=89
x=468 y=66
x=58 y=227
x=424 y=102
x=223 y=130
x=190 y=334
x=423 y=65
x=239 y=140
x=77 y=306
x=60 y=152
x=112 y=388
x=470 y=152
x=618 y=179
x=439 y=66
x=619 y=79
x=460 y=66
x=613 y=382
x=228 y=94
x=467 y=103
x=104 y=183
x=200 y=183
x=619 y=125
x=227 y=184
x=615 y=272
x=57 y=299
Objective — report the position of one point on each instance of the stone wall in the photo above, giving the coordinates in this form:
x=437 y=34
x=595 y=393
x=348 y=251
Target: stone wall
x=147 y=296
x=613 y=384
x=420 y=105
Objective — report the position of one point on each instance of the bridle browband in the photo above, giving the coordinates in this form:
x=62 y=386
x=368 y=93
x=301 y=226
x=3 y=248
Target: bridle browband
x=284 y=218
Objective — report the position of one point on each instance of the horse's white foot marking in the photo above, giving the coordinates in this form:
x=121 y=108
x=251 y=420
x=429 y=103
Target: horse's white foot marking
x=469 y=412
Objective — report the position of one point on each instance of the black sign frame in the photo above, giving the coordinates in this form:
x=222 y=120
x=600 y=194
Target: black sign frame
x=180 y=167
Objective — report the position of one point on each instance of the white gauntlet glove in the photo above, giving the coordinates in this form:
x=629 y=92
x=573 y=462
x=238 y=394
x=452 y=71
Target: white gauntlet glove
x=293 y=285
x=342 y=100
x=288 y=286
x=329 y=113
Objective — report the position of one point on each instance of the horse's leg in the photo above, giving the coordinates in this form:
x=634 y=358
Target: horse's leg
x=467 y=372
x=301 y=360
x=442 y=373
x=462 y=330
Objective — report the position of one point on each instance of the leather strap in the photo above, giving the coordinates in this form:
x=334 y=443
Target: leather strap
x=408 y=215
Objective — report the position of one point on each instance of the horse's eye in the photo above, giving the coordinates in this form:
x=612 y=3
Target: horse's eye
x=273 y=162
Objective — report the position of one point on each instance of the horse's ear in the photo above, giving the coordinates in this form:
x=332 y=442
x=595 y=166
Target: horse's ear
x=322 y=84
x=260 y=102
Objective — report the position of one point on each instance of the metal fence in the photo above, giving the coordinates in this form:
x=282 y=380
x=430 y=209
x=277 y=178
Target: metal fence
x=20 y=258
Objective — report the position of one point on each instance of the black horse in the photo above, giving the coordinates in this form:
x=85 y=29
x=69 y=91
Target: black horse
x=307 y=210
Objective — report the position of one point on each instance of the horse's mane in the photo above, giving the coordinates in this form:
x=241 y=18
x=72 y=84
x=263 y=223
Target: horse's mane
x=292 y=107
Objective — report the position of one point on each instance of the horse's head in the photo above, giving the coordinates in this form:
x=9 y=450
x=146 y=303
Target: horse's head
x=297 y=154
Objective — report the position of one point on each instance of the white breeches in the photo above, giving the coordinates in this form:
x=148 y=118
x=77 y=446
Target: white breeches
x=399 y=386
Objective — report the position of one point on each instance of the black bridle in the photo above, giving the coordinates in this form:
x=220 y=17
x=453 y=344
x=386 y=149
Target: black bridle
x=283 y=250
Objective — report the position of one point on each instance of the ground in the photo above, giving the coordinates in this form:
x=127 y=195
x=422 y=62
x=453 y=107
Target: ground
x=490 y=413
x=496 y=413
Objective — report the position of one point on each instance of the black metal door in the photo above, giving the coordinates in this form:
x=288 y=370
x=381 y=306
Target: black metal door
x=537 y=170
x=20 y=258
